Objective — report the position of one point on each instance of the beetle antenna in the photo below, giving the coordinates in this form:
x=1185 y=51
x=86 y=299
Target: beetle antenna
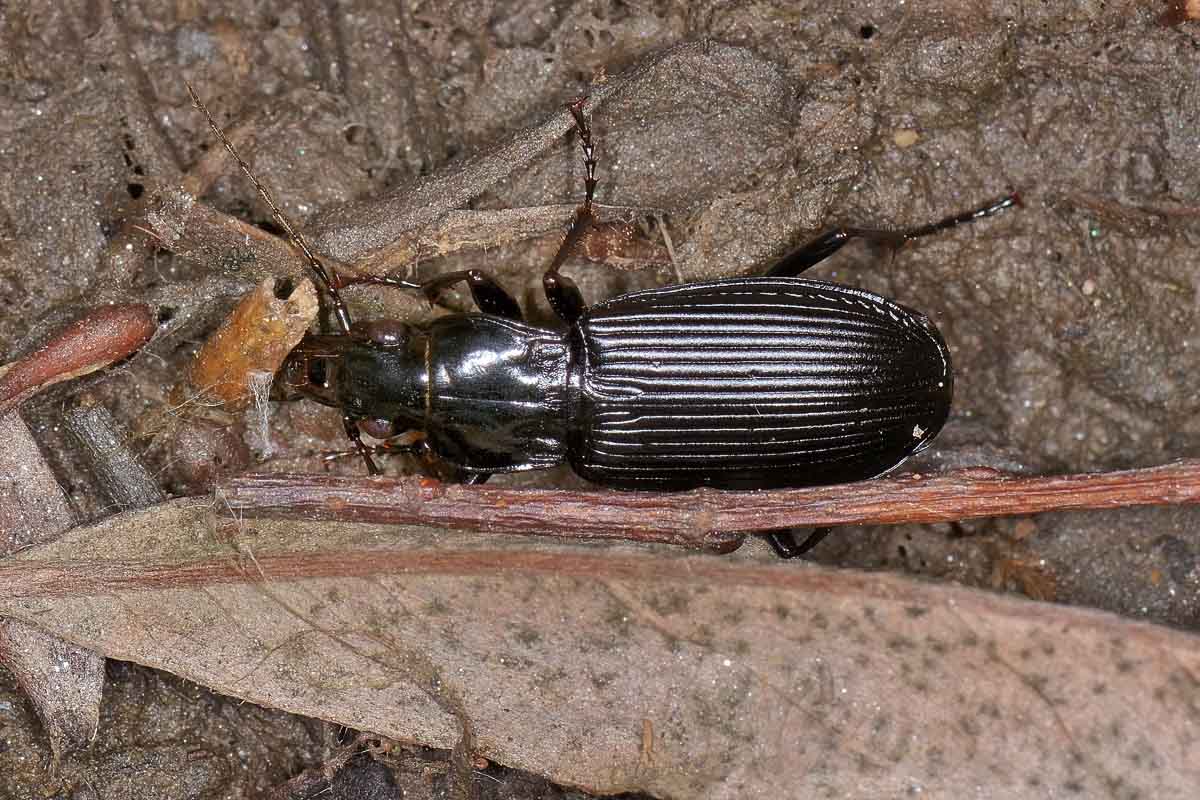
x=319 y=269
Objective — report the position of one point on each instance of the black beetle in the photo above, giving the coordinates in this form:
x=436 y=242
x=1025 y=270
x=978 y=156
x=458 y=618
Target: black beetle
x=743 y=383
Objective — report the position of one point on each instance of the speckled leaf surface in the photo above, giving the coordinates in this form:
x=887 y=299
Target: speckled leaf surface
x=620 y=669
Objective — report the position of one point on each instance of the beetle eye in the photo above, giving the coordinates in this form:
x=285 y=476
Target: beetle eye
x=316 y=372
x=377 y=428
x=388 y=333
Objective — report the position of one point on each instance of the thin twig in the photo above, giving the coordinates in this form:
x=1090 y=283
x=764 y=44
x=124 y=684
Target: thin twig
x=703 y=518
x=179 y=222
x=481 y=230
x=194 y=230
x=117 y=468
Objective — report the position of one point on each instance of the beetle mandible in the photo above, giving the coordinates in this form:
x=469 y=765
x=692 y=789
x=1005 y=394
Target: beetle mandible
x=754 y=382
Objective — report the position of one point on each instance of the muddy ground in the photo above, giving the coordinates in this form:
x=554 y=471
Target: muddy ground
x=1071 y=320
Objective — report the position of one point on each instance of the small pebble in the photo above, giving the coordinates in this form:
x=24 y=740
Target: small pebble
x=905 y=138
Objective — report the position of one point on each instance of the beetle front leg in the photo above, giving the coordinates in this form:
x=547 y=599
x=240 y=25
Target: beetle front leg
x=830 y=242
x=350 y=422
x=489 y=296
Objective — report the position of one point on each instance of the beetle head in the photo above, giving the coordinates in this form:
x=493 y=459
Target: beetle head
x=312 y=369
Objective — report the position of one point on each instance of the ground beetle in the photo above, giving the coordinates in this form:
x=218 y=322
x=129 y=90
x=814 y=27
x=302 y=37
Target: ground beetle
x=742 y=383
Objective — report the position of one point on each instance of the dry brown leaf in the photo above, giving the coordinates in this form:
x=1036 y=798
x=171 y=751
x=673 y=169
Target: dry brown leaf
x=63 y=682
x=753 y=681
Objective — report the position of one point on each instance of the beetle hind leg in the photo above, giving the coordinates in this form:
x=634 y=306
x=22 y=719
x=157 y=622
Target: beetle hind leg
x=786 y=545
x=831 y=241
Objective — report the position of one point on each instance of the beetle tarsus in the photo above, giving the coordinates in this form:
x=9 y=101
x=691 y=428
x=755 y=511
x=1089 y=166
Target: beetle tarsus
x=589 y=150
x=987 y=210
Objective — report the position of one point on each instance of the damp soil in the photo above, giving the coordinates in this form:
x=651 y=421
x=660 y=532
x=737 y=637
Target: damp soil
x=1071 y=320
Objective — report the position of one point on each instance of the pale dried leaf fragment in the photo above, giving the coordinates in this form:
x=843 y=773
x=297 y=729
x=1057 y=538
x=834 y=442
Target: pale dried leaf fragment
x=476 y=229
x=255 y=338
x=1180 y=11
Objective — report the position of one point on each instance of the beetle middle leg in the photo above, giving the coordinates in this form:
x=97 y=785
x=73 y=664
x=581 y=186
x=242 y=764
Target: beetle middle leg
x=831 y=241
x=432 y=465
x=564 y=296
x=491 y=298
x=562 y=292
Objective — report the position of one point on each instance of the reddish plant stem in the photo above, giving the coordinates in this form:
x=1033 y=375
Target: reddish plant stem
x=101 y=337
x=703 y=518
